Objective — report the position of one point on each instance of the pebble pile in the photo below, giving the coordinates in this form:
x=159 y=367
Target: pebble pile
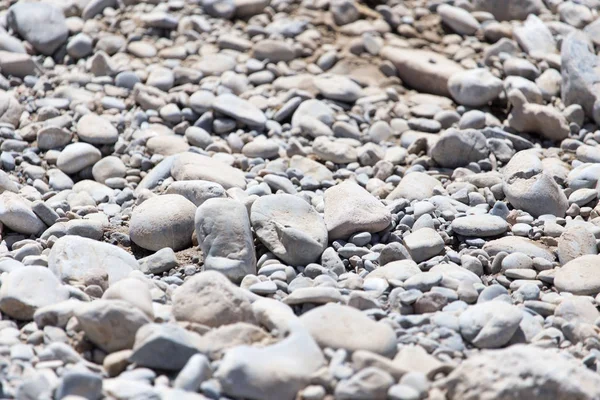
x=300 y=200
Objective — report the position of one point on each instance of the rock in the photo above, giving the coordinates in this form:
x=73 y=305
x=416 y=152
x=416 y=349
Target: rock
x=190 y=166
x=512 y=9
x=162 y=261
x=77 y=156
x=223 y=230
x=240 y=110
x=579 y=76
x=336 y=87
x=349 y=209
x=73 y=258
x=369 y=383
x=344 y=12
x=475 y=87
x=10 y=109
x=289 y=227
x=479 y=225
x=110 y=324
x=534 y=36
x=579 y=276
x=545 y=121
x=81 y=384
x=497 y=375
x=210 y=299
x=529 y=188
x=424 y=244
x=27 y=289
x=132 y=291
x=163 y=346
x=460 y=20
x=423 y=70
x=16 y=214
x=458 y=148
x=273 y=50
x=415 y=186
x=514 y=244
x=575 y=242
x=343 y=327
x=196 y=370
x=163 y=221
x=491 y=324
x=53 y=137
x=94 y=129
x=42 y=24
x=255 y=372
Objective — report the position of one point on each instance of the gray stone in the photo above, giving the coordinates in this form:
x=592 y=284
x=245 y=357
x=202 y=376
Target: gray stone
x=479 y=225
x=240 y=110
x=369 y=383
x=162 y=261
x=475 y=87
x=457 y=148
x=511 y=9
x=579 y=276
x=163 y=221
x=491 y=324
x=190 y=166
x=41 y=24
x=94 y=129
x=424 y=244
x=289 y=227
x=16 y=214
x=460 y=20
x=77 y=156
x=225 y=236
x=415 y=186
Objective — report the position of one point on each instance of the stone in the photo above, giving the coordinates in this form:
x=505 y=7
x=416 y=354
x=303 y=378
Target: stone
x=239 y=109
x=53 y=137
x=514 y=244
x=460 y=20
x=163 y=221
x=289 y=227
x=579 y=276
x=575 y=242
x=479 y=225
x=369 y=383
x=264 y=372
x=423 y=70
x=41 y=24
x=162 y=261
x=497 y=374
x=16 y=214
x=491 y=324
x=224 y=233
x=415 y=186
x=80 y=384
x=545 y=121
x=132 y=291
x=336 y=87
x=579 y=74
x=210 y=299
x=273 y=50
x=10 y=109
x=28 y=289
x=350 y=209
x=529 y=188
x=110 y=324
x=511 y=10
x=343 y=327
x=77 y=156
x=190 y=166
x=475 y=87
x=534 y=36
x=73 y=258
x=458 y=148
x=424 y=244
x=94 y=129
x=163 y=346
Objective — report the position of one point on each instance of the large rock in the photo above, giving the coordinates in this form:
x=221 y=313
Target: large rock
x=41 y=24
x=343 y=327
x=240 y=109
x=479 y=225
x=415 y=186
x=529 y=188
x=72 y=258
x=27 y=289
x=491 y=324
x=10 y=109
x=580 y=276
x=210 y=299
x=191 y=166
x=510 y=9
x=534 y=36
x=163 y=221
x=580 y=76
x=290 y=227
x=110 y=324
x=457 y=148
x=163 y=346
x=275 y=372
x=498 y=375
x=225 y=237
x=197 y=191
x=574 y=242
x=475 y=87
x=516 y=244
x=349 y=209
x=422 y=70
x=17 y=215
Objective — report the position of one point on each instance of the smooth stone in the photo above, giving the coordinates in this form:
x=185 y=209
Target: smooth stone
x=579 y=276
x=190 y=167
x=16 y=213
x=491 y=324
x=41 y=24
x=479 y=225
x=239 y=109
x=415 y=186
x=77 y=156
x=424 y=244
x=475 y=87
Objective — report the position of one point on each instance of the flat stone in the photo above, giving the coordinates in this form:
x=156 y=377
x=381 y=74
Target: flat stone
x=579 y=276
x=94 y=129
x=289 y=227
x=42 y=24
x=190 y=166
x=424 y=244
x=240 y=110
x=479 y=225
x=491 y=324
